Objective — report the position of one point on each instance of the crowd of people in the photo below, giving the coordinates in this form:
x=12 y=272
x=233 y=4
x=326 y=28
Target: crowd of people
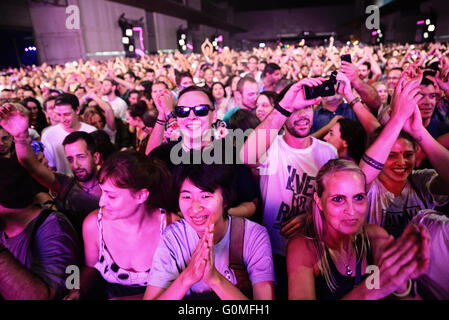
x=276 y=173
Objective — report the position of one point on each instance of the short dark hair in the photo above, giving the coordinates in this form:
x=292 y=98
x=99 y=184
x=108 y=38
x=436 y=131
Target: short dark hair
x=243 y=119
x=137 y=110
x=208 y=177
x=103 y=144
x=181 y=75
x=242 y=82
x=198 y=89
x=67 y=98
x=270 y=68
x=355 y=135
x=133 y=170
x=425 y=81
x=81 y=135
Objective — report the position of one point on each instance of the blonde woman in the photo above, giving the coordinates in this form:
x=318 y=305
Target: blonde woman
x=329 y=261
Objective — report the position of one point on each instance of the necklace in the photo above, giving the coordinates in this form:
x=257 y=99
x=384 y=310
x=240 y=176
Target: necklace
x=347 y=265
x=89 y=189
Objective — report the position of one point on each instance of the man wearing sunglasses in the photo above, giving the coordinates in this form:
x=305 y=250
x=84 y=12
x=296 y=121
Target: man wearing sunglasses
x=287 y=164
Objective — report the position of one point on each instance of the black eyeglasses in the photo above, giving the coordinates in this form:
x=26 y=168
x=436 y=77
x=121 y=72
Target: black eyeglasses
x=200 y=110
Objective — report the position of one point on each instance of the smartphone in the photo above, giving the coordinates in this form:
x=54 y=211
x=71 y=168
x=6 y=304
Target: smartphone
x=326 y=89
x=346 y=57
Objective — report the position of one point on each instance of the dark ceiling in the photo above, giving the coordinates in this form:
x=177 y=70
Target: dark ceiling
x=251 y=5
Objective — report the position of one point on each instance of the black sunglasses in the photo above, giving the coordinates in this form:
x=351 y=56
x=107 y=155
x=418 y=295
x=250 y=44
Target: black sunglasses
x=200 y=110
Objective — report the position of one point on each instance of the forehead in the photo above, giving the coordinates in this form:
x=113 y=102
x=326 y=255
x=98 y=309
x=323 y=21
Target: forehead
x=262 y=99
x=192 y=98
x=402 y=145
x=64 y=108
x=77 y=147
x=344 y=182
x=427 y=89
x=250 y=87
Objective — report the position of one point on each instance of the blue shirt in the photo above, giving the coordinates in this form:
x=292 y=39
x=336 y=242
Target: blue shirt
x=322 y=116
x=437 y=126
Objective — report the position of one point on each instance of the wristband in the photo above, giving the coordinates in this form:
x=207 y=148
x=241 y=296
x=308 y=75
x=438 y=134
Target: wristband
x=372 y=162
x=281 y=110
x=353 y=102
x=169 y=116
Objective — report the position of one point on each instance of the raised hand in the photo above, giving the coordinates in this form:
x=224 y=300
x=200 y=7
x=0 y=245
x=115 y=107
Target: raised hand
x=164 y=102
x=295 y=99
x=12 y=120
x=210 y=272
x=406 y=95
x=350 y=71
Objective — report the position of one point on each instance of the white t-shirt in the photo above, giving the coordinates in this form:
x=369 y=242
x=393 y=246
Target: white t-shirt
x=179 y=241
x=287 y=183
x=434 y=284
x=119 y=107
x=392 y=212
x=52 y=138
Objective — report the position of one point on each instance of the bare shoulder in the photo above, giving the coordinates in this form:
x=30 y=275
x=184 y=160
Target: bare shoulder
x=90 y=229
x=300 y=250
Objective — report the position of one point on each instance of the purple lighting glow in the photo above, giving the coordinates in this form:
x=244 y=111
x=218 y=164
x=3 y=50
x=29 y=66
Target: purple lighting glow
x=139 y=29
x=420 y=22
x=374 y=33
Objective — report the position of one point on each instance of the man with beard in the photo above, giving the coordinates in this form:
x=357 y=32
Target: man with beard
x=246 y=96
x=288 y=164
x=75 y=196
x=66 y=107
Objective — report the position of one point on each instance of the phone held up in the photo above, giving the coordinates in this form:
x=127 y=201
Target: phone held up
x=326 y=89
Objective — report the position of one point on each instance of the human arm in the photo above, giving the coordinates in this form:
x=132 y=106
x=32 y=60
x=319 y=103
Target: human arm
x=366 y=118
x=436 y=153
x=398 y=262
x=300 y=269
x=126 y=84
x=254 y=150
x=368 y=94
x=405 y=98
x=164 y=103
x=89 y=275
x=17 y=125
x=106 y=107
x=245 y=209
x=320 y=133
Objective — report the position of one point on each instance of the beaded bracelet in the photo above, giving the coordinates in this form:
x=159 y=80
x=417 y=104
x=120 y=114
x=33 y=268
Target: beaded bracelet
x=372 y=163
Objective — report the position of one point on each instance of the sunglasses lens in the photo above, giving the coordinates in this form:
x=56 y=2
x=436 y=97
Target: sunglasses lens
x=182 y=112
x=201 y=110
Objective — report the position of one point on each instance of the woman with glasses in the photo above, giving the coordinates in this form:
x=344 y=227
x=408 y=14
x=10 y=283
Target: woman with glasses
x=202 y=140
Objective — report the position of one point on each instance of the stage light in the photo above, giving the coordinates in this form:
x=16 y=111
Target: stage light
x=181 y=42
x=427 y=21
x=220 y=38
x=131 y=48
x=26 y=49
x=261 y=45
x=426 y=35
x=374 y=33
x=420 y=22
x=183 y=36
x=184 y=47
x=129 y=32
x=125 y=40
x=431 y=28
x=189 y=46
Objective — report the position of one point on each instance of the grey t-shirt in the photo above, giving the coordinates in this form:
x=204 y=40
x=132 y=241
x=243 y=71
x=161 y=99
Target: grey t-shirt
x=47 y=256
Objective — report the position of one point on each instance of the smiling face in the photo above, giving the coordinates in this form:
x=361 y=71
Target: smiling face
x=192 y=126
x=263 y=107
x=217 y=91
x=383 y=93
x=399 y=164
x=199 y=207
x=343 y=202
x=428 y=101
x=67 y=116
x=334 y=138
x=300 y=122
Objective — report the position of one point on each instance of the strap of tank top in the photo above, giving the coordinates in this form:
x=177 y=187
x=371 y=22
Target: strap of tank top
x=100 y=228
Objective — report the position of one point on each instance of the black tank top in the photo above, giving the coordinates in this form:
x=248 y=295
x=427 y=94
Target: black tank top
x=344 y=284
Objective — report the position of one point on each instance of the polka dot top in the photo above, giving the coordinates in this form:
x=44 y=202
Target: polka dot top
x=113 y=273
